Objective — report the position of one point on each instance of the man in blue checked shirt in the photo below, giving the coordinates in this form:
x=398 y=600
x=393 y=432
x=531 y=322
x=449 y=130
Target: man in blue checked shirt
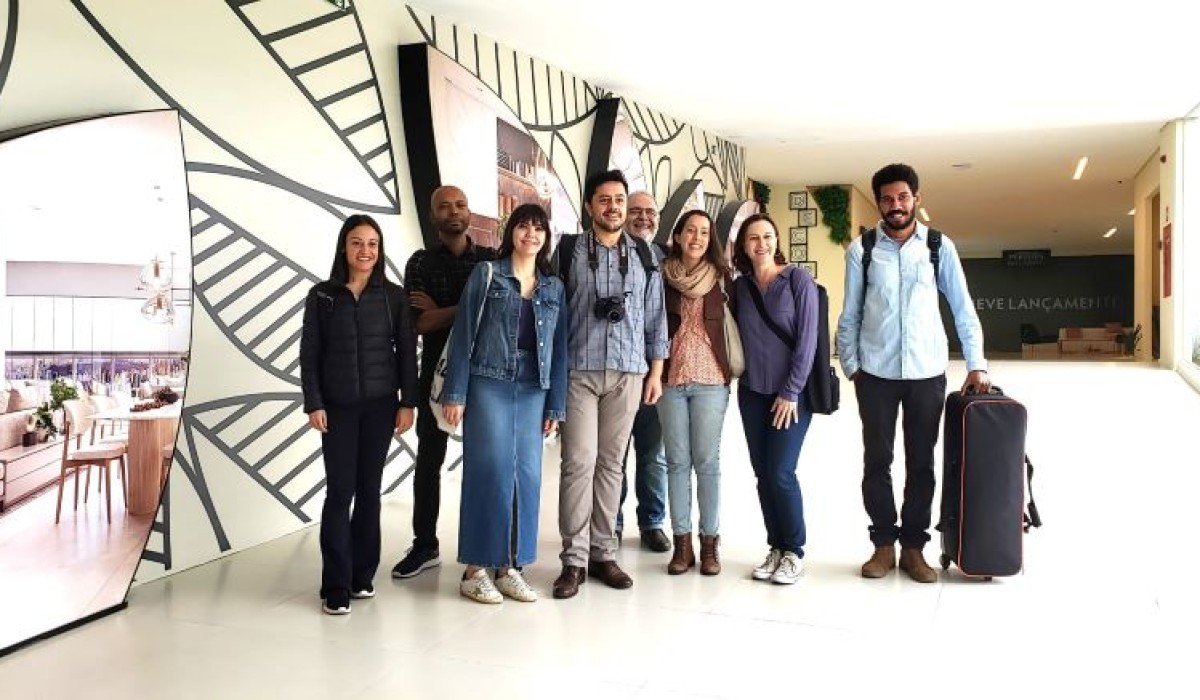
x=615 y=350
x=893 y=347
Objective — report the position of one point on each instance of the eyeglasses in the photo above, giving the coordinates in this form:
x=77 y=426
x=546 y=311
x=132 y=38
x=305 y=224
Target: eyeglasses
x=638 y=211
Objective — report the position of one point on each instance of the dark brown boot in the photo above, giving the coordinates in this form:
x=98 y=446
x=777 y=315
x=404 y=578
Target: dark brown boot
x=880 y=563
x=912 y=562
x=684 y=557
x=710 y=562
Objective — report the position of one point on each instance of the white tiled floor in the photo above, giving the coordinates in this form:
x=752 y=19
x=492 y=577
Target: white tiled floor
x=1102 y=609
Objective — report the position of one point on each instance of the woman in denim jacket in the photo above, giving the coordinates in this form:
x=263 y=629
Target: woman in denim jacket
x=507 y=367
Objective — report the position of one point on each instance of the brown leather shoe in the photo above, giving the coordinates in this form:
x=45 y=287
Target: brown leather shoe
x=880 y=563
x=609 y=573
x=710 y=562
x=568 y=582
x=684 y=557
x=912 y=562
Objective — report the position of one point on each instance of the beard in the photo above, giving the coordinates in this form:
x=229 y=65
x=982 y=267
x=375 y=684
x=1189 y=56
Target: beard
x=601 y=224
x=452 y=227
x=905 y=220
x=646 y=232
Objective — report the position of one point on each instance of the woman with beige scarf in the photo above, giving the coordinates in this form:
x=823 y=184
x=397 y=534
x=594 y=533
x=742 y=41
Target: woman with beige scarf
x=696 y=386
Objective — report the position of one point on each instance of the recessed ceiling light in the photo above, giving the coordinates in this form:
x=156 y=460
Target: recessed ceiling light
x=1133 y=211
x=924 y=215
x=1110 y=233
x=1079 y=168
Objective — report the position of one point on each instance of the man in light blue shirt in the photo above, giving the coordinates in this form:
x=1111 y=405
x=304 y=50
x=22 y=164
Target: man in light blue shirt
x=893 y=347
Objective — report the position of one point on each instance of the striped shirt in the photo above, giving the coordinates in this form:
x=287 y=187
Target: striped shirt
x=624 y=346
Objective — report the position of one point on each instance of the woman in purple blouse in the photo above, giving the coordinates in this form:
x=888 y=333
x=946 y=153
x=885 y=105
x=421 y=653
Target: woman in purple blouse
x=776 y=306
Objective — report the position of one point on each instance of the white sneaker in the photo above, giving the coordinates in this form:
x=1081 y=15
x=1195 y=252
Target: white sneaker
x=790 y=568
x=512 y=585
x=480 y=588
x=765 y=570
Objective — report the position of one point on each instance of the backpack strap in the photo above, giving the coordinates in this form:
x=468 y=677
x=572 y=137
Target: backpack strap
x=644 y=252
x=934 y=241
x=565 y=254
x=868 y=243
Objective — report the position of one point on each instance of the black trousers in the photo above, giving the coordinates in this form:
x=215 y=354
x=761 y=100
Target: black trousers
x=879 y=402
x=355 y=449
x=427 y=479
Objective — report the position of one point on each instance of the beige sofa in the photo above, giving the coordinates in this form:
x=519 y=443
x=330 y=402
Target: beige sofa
x=22 y=470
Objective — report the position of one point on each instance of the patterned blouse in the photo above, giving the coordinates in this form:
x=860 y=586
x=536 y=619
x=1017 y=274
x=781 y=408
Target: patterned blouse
x=692 y=358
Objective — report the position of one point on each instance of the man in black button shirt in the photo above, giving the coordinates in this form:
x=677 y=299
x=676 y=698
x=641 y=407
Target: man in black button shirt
x=435 y=280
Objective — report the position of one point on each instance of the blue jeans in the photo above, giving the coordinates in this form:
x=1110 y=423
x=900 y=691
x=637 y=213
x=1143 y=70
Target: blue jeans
x=691 y=416
x=650 y=480
x=502 y=468
x=773 y=455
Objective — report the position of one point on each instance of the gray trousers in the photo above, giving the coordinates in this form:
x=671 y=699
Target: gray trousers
x=601 y=406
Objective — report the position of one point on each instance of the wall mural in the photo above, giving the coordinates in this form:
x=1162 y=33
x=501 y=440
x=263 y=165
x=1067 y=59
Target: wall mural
x=290 y=116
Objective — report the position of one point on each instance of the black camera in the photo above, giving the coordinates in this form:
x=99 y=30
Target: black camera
x=611 y=309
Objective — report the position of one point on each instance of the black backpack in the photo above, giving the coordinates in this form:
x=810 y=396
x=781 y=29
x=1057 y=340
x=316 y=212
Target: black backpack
x=822 y=391
x=566 y=251
x=934 y=241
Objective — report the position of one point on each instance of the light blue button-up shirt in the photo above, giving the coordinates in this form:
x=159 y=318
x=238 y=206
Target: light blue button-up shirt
x=898 y=333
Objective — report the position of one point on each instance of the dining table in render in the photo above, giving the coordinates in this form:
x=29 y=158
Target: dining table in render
x=149 y=432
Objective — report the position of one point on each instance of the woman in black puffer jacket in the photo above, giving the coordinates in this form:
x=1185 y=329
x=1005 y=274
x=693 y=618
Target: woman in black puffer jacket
x=358 y=349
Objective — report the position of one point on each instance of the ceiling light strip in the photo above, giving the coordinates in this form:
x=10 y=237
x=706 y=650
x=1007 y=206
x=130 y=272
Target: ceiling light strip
x=1080 y=167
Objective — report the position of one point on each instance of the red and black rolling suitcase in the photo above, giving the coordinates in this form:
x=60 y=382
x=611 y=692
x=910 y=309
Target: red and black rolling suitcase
x=984 y=473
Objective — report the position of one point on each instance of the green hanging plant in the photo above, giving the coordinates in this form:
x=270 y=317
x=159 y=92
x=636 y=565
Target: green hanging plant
x=834 y=202
x=761 y=194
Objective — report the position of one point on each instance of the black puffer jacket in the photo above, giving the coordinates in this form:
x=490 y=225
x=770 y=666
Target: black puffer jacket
x=347 y=354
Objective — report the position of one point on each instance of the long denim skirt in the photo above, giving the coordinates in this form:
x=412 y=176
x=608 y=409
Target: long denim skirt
x=502 y=468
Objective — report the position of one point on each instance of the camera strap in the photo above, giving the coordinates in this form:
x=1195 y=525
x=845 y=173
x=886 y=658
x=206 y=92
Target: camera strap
x=594 y=262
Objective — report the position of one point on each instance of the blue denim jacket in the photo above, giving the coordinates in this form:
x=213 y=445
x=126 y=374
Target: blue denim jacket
x=495 y=335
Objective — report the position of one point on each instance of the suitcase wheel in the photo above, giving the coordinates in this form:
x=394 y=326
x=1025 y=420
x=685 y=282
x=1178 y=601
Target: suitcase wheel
x=945 y=560
x=987 y=578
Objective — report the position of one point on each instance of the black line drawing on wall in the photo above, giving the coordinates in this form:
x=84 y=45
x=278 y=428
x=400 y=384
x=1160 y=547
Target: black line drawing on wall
x=267 y=331
x=364 y=133
x=160 y=530
x=9 y=43
x=266 y=173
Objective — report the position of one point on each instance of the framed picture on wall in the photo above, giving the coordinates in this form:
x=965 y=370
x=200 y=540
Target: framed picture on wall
x=797 y=200
x=799 y=252
x=798 y=234
x=811 y=265
x=807 y=217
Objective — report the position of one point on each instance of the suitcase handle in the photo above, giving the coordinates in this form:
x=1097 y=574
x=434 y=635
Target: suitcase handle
x=1032 y=518
x=991 y=391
